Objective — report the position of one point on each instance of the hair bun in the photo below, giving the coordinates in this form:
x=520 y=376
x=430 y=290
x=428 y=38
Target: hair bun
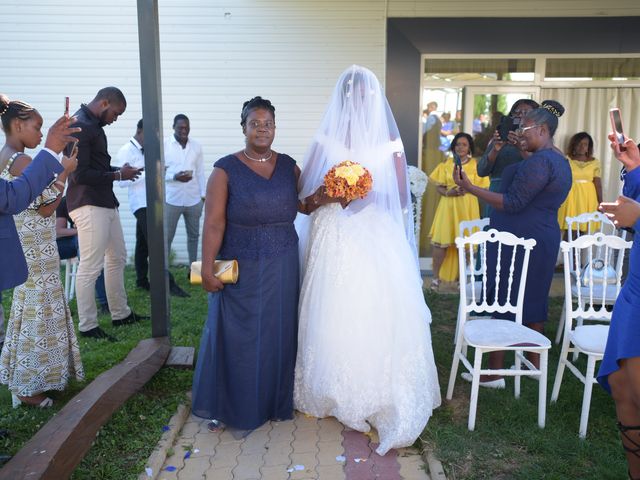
x=555 y=108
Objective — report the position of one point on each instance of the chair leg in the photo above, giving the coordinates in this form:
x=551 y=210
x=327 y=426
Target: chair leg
x=561 y=325
x=454 y=367
x=455 y=338
x=517 y=378
x=67 y=277
x=542 y=394
x=72 y=283
x=586 y=397
x=564 y=353
x=475 y=386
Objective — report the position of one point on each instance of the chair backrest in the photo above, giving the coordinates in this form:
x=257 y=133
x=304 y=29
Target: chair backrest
x=467 y=228
x=510 y=250
x=590 y=223
x=596 y=278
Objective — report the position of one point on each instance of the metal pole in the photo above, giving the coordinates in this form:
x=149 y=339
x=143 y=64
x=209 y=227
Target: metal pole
x=149 y=41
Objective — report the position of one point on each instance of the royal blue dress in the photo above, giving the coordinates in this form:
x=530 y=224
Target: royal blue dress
x=533 y=191
x=624 y=333
x=245 y=367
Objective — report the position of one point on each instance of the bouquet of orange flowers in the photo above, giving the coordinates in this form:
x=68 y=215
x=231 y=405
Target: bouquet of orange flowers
x=348 y=180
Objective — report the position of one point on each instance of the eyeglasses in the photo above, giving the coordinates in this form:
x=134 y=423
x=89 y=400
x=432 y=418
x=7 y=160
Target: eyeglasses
x=269 y=124
x=521 y=131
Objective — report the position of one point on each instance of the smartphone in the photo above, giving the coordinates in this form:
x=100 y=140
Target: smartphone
x=505 y=126
x=66 y=106
x=458 y=163
x=616 y=124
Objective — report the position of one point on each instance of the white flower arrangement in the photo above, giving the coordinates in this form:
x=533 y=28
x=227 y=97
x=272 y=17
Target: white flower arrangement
x=417 y=185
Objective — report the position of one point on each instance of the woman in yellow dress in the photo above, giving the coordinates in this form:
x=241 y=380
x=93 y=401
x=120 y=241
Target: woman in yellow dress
x=455 y=205
x=586 y=190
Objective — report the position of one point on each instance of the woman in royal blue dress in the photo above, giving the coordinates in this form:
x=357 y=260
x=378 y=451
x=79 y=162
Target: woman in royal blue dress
x=620 y=368
x=244 y=373
x=531 y=192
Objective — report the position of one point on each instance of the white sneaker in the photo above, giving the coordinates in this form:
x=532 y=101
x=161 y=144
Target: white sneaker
x=497 y=384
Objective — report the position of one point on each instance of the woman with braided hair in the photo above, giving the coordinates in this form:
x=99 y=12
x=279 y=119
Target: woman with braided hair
x=531 y=191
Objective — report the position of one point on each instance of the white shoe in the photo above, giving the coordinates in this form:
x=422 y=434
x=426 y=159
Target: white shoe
x=497 y=384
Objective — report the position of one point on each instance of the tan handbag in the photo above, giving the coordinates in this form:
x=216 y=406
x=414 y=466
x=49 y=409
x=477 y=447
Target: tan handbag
x=225 y=270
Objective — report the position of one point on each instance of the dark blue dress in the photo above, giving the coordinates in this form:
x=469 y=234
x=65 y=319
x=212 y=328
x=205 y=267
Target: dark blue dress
x=244 y=373
x=624 y=332
x=533 y=191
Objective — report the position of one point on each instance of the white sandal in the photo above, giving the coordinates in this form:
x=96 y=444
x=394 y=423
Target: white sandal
x=497 y=384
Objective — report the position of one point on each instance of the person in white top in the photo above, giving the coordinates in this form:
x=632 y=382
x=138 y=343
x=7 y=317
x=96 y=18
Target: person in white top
x=132 y=153
x=185 y=184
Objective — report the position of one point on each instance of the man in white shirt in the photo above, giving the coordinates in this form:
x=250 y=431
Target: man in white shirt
x=185 y=184
x=132 y=153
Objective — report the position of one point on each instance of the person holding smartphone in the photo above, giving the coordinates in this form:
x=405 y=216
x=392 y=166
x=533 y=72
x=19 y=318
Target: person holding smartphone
x=619 y=372
x=504 y=151
x=454 y=207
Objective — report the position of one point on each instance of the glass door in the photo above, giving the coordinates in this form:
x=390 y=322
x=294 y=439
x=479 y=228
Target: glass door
x=485 y=105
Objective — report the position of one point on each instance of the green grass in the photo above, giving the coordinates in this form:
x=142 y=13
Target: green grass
x=507 y=443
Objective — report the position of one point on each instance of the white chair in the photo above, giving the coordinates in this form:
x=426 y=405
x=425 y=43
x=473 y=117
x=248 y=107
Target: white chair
x=70 y=270
x=488 y=334
x=574 y=224
x=591 y=304
x=466 y=228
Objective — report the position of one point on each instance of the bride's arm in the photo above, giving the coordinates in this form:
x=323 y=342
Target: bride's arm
x=314 y=201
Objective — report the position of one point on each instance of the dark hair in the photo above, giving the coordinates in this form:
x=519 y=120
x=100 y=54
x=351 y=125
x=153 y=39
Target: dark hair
x=139 y=126
x=178 y=117
x=547 y=114
x=576 y=139
x=523 y=101
x=12 y=110
x=457 y=137
x=254 y=104
x=112 y=95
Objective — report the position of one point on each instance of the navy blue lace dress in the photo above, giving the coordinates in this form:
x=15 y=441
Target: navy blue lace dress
x=244 y=373
x=533 y=191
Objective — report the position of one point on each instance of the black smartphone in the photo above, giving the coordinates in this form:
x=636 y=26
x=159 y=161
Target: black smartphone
x=66 y=106
x=616 y=124
x=458 y=163
x=505 y=126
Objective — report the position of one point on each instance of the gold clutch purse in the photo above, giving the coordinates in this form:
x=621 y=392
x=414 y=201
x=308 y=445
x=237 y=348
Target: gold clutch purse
x=225 y=270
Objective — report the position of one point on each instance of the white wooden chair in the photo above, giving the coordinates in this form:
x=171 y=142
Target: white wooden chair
x=70 y=270
x=595 y=222
x=467 y=228
x=591 y=304
x=488 y=334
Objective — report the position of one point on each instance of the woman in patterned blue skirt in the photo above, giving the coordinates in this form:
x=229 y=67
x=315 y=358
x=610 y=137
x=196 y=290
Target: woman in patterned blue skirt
x=620 y=368
x=244 y=373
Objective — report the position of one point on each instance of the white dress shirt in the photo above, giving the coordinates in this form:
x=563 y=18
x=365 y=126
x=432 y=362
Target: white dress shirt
x=177 y=159
x=131 y=153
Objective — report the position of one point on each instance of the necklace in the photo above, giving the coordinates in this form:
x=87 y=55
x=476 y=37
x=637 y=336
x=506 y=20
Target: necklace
x=261 y=160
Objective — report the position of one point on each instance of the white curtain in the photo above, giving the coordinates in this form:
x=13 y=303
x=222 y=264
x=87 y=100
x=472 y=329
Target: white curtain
x=587 y=109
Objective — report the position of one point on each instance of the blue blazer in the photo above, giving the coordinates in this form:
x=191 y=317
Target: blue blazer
x=15 y=196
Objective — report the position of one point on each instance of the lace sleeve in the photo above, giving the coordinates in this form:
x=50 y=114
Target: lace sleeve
x=530 y=179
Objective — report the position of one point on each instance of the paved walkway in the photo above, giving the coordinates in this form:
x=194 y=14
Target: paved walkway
x=305 y=448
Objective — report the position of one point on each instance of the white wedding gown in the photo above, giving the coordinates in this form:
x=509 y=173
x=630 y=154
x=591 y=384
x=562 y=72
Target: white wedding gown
x=364 y=343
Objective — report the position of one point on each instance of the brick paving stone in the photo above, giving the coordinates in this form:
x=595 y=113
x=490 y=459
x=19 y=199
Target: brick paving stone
x=226 y=455
x=282 y=431
x=248 y=467
x=277 y=454
x=308 y=460
x=330 y=430
x=331 y=472
x=328 y=451
x=205 y=443
x=255 y=442
x=412 y=466
x=194 y=468
x=274 y=472
x=227 y=438
x=224 y=473
x=304 y=422
x=189 y=429
x=305 y=441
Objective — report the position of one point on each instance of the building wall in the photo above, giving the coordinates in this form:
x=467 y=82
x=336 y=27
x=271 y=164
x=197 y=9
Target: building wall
x=215 y=55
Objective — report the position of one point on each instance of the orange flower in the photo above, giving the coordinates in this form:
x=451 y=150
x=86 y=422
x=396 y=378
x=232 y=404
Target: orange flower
x=348 y=180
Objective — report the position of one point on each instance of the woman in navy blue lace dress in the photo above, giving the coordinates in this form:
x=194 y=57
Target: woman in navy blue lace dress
x=527 y=206
x=244 y=373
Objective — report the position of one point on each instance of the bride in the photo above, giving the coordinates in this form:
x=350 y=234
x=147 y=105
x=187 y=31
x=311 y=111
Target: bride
x=364 y=343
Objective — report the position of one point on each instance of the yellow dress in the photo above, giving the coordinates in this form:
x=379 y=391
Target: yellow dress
x=582 y=197
x=453 y=210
